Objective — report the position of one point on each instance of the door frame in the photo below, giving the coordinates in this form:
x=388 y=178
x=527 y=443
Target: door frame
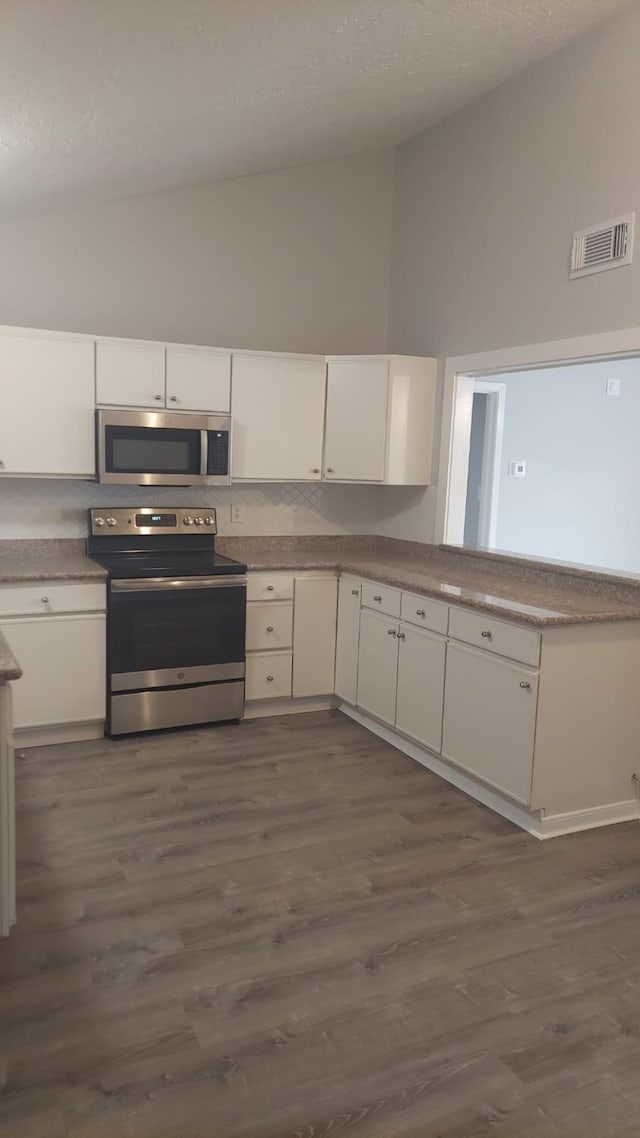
x=460 y=374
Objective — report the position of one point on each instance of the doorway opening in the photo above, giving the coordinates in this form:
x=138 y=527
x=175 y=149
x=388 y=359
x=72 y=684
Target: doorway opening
x=485 y=454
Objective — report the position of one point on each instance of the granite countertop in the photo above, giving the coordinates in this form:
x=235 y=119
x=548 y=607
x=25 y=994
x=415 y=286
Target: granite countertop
x=9 y=666
x=521 y=589
x=47 y=560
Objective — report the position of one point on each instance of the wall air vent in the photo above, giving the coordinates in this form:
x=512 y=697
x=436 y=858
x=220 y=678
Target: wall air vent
x=601 y=247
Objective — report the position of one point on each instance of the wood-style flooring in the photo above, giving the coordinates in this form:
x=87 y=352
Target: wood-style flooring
x=287 y=929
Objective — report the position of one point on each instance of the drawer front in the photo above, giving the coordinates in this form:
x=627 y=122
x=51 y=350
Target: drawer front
x=269 y=625
x=46 y=598
x=381 y=598
x=270 y=587
x=424 y=612
x=268 y=676
x=495 y=635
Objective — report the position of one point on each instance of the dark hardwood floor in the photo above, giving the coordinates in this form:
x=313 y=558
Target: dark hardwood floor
x=289 y=929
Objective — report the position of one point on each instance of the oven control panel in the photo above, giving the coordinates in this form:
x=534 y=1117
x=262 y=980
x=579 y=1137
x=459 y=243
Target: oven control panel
x=147 y=520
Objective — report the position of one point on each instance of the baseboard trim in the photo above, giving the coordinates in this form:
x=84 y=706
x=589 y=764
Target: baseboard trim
x=58 y=733
x=483 y=794
x=554 y=825
x=257 y=708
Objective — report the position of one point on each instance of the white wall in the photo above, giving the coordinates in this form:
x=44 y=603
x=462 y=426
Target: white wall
x=294 y=260
x=580 y=499
x=486 y=203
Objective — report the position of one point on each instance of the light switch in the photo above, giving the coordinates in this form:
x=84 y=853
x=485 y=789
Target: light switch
x=613 y=386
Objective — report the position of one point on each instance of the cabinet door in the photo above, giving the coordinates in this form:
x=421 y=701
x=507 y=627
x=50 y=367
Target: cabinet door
x=63 y=669
x=277 y=407
x=420 y=685
x=198 y=380
x=489 y=719
x=46 y=406
x=130 y=373
x=378 y=665
x=356 y=427
x=348 y=635
x=314 y=635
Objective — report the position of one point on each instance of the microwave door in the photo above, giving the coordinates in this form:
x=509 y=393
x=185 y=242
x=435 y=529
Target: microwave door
x=149 y=449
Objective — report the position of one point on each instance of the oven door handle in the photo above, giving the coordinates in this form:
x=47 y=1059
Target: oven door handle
x=150 y=584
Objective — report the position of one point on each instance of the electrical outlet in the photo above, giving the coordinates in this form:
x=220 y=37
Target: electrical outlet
x=237 y=515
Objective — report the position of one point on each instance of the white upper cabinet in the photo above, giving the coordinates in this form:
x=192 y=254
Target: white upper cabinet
x=130 y=373
x=198 y=379
x=277 y=408
x=141 y=373
x=380 y=419
x=46 y=404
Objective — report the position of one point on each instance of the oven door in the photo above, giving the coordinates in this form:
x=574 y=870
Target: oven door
x=165 y=633
x=147 y=448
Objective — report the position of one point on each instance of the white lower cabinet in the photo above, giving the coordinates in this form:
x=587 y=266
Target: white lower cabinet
x=63 y=669
x=489 y=719
x=314 y=635
x=421 y=660
x=348 y=638
x=268 y=675
x=378 y=665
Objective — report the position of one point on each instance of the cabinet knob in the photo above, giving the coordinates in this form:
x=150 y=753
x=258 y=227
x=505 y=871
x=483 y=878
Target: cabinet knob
x=270 y=588
x=269 y=679
x=173 y=398
x=45 y=600
x=487 y=635
x=330 y=470
x=420 y=612
x=355 y=592
x=525 y=684
x=391 y=632
x=158 y=397
x=269 y=628
x=402 y=636
x=316 y=470
x=1 y=464
x=377 y=597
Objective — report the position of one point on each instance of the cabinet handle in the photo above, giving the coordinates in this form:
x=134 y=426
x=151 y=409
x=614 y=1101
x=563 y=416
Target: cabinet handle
x=525 y=684
x=420 y=612
x=330 y=470
x=391 y=632
x=269 y=679
x=487 y=635
x=173 y=398
x=45 y=600
x=158 y=397
x=355 y=592
x=377 y=598
x=269 y=628
x=270 y=588
x=402 y=636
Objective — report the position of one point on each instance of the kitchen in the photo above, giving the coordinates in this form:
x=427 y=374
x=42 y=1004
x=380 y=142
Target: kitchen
x=141 y=855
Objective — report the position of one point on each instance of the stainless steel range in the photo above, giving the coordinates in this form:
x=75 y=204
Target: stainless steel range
x=176 y=619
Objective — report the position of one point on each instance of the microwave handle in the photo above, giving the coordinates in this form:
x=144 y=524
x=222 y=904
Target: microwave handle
x=204 y=454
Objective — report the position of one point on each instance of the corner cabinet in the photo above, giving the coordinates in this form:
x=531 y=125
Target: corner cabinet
x=277 y=411
x=46 y=404
x=380 y=419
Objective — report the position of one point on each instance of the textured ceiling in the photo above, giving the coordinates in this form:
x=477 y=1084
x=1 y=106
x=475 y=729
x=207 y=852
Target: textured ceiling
x=100 y=98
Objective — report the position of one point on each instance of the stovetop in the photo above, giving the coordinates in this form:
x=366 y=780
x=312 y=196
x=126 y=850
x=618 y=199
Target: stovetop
x=165 y=563
x=147 y=542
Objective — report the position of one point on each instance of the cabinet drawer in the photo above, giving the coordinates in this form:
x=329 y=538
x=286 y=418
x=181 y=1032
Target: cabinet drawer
x=268 y=676
x=495 y=635
x=270 y=587
x=46 y=598
x=381 y=598
x=424 y=612
x=269 y=625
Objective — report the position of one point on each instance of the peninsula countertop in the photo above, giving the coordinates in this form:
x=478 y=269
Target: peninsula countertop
x=521 y=589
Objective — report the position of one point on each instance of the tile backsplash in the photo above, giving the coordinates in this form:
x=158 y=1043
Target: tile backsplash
x=42 y=507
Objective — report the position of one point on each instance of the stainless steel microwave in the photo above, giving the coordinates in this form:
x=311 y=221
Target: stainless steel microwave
x=152 y=448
